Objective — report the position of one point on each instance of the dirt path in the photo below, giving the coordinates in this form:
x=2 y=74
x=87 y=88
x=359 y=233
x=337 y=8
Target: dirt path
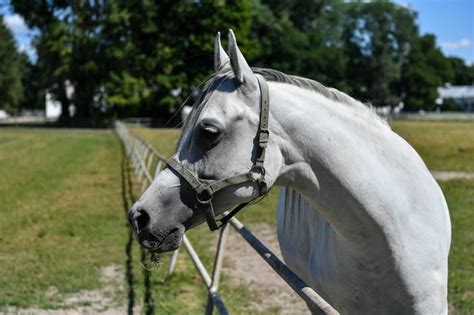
x=246 y=267
x=450 y=175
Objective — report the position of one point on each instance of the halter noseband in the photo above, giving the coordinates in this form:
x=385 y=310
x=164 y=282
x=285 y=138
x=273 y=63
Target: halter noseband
x=205 y=189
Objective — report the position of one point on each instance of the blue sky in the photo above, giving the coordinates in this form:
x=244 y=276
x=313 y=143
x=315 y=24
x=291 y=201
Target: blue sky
x=452 y=21
x=16 y=24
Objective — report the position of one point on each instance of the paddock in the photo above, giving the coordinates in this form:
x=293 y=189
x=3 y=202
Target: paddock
x=69 y=263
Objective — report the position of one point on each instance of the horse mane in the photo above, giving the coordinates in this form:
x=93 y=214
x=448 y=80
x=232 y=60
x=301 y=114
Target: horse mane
x=308 y=84
x=315 y=86
x=214 y=80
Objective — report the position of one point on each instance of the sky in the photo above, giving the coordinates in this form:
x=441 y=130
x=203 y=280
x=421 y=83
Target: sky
x=452 y=21
x=23 y=35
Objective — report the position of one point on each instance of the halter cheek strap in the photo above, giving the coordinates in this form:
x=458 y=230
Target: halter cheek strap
x=205 y=189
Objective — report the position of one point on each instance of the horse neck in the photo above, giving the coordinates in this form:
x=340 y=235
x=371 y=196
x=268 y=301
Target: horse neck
x=322 y=143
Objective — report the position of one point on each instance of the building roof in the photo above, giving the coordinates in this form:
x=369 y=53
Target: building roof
x=456 y=91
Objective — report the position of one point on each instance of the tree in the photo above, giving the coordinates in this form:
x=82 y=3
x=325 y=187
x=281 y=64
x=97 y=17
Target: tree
x=377 y=36
x=54 y=50
x=160 y=51
x=11 y=70
x=144 y=57
x=67 y=47
x=463 y=74
x=424 y=71
x=33 y=92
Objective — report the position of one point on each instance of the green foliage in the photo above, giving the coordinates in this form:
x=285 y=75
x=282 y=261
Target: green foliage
x=463 y=74
x=68 y=49
x=377 y=37
x=425 y=69
x=145 y=57
x=157 y=47
x=12 y=66
x=305 y=39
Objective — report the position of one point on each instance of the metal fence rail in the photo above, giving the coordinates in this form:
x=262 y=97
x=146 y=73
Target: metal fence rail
x=146 y=161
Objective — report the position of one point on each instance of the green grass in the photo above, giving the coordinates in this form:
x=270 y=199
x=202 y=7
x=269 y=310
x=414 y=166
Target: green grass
x=460 y=197
x=60 y=214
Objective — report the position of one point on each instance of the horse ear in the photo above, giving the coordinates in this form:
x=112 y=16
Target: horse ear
x=221 y=60
x=242 y=71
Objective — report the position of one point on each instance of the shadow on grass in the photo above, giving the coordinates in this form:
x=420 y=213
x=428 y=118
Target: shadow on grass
x=128 y=197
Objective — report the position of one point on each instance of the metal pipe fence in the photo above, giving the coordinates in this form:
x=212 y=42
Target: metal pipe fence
x=147 y=163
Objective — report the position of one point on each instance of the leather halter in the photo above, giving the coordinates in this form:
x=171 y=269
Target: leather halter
x=205 y=189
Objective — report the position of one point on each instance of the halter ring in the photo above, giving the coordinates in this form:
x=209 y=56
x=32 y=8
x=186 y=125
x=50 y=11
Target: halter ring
x=259 y=171
x=205 y=196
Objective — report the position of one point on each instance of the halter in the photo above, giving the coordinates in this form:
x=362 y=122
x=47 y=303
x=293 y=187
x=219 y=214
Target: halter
x=205 y=189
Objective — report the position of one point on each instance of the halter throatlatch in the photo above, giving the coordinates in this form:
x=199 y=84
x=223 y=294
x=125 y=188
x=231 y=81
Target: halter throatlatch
x=205 y=189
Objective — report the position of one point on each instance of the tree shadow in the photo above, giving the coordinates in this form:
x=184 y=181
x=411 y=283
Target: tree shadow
x=128 y=197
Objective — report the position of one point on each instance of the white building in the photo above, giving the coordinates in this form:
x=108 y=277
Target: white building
x=463 y=95
x=53 y=107
x=3 y=114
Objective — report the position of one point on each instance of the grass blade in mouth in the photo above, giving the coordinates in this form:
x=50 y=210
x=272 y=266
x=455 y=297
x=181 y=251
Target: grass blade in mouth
x=152 y=260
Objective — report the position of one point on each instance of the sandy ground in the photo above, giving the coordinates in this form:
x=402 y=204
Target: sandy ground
x=246 y=267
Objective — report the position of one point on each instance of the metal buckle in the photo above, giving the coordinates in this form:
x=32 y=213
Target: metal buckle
x=264 y=135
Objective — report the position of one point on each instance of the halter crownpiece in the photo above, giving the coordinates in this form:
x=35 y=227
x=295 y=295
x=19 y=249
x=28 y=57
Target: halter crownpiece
x=205 y=189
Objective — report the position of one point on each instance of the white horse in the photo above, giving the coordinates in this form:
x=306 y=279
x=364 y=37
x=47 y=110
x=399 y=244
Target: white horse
x=362 y=221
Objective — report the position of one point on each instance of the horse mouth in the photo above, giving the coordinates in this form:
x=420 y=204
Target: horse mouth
x=171 y=241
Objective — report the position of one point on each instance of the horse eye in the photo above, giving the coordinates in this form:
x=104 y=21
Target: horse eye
x=210 y=132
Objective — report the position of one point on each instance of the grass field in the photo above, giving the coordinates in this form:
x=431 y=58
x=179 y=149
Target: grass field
x=63 y=195
x=60 y=213
x=443 y=145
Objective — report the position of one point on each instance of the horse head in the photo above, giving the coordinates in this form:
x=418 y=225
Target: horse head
x=221 y=144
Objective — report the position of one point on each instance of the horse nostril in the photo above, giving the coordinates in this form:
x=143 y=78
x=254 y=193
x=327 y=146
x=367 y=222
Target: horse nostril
x=142 y=220
x=139 y=219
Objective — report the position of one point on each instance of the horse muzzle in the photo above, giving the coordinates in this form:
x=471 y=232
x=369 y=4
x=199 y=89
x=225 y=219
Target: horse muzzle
x=153 y=238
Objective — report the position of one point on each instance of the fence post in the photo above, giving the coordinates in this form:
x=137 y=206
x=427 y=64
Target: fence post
x=158 y=167
x=216 y=272
x=140 y=156
x=173 y=260
x=141 y=171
